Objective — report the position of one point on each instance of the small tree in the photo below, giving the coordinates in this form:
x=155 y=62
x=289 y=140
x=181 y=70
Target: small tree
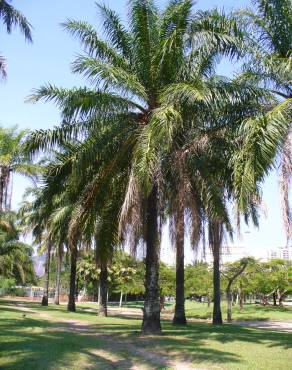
x=166 y=282
x=231 y=272
x=198 y=281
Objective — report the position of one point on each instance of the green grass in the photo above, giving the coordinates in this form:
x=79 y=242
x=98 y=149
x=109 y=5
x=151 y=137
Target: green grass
x=249 y=312
x=45 y=339
x=198 y=310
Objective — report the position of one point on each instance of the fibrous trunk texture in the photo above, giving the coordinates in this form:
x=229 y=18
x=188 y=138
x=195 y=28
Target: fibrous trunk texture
x=215 y=236
x=58 y=277
x=151 y=312
x=102 y=311
x=45 y=299
x=71 y=302
x=179 y=313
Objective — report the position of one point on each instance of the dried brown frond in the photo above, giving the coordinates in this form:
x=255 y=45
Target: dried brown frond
x=285 y=178
x=131 y=215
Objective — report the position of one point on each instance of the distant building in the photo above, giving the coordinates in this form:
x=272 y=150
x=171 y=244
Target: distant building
x=230 y=253
x=284 y=253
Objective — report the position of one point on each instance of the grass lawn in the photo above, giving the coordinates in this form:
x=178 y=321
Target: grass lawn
x=198 y=310
x=51 y=338
x=249 y=312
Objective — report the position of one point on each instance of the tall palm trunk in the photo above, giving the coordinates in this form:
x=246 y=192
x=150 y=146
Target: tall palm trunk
x=215 y=239
x=4 y=183
x=121 y=298
x=179 y=313
x=58 y=277
x=71 y=302
x=275 y=298
x=102 y=311
x=229 y=303
x=45 y=299
x=151 y=310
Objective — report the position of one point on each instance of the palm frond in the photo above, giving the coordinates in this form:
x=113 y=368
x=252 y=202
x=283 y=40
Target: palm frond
x=109 y=76
x=215 y=31
x=12 y=17
x=93 y=44
x=3 y=73
x=83 y=103
x=285 y=179
x=114 y=30
x=262 y=138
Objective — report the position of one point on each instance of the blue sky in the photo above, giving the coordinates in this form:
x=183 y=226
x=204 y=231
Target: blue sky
x=48 y=60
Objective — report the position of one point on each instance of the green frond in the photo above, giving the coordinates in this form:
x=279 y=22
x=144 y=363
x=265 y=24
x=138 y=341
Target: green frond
x=114 y=30
x=185 y=93
x=170 y=53
x=176 y=15
x=143 y=20
x=214 y=31
x=30 y=170
x=262 y=139
x=43 y=140
x=93 y=44
x=109 y=76
x=83 y=103
x=11 y=17
x=156 y=137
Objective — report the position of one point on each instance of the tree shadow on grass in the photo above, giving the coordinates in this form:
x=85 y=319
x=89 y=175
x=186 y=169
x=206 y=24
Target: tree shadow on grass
x=229 y=333
x=31 y=343
x=38 y=343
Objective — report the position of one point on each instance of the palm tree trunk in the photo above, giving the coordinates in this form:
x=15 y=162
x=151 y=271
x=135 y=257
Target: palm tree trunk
x=215 y=238
x=1 y=188
x=179 y=313
x=151 y=310
x=208 y=300
x=102 y=311
x=45 y=299
x=217 y=315
x=58 y=277
x=71 y=302
x=98 y=295
x=229 y=304
x=274 y=299
x=240 y=297
x=95 y=290
x=4 y=181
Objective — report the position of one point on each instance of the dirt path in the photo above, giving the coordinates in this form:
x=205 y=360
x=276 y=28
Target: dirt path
x=136 y=357
x=134 y=350
x=166 y=315
x=269 y=324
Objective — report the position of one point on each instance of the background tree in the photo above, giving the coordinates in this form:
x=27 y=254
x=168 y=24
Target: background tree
x=126 y=275
x=15 y=256
x=198 y=282
x=267 y=135
x=231 y=272
x=13 y=160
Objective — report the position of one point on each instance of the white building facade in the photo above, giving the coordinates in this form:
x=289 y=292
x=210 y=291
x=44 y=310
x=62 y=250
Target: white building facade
x=284 y=253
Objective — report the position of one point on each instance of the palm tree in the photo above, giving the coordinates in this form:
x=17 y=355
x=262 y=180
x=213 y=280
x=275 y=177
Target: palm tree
x=34 y=218
x=15 y=256
x=11 y=17
x=268 y=136
x=13 y=161
x=137 y=76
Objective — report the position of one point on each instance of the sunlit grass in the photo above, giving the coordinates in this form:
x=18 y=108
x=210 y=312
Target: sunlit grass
x=52 y=338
